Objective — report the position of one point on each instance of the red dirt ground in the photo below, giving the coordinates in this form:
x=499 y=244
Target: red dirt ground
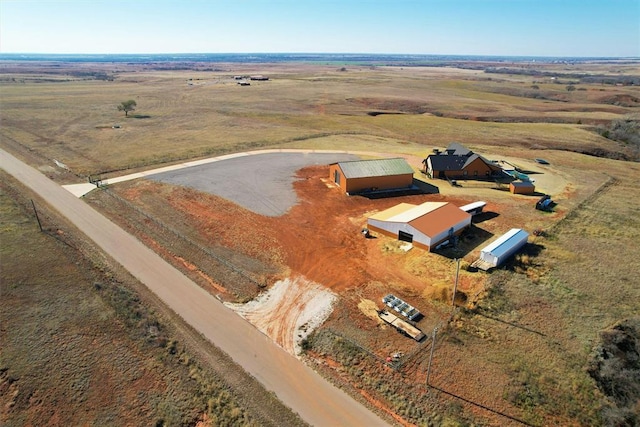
x=319 y=238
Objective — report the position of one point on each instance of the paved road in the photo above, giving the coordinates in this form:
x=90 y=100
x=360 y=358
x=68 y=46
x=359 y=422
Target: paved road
x=299 y=387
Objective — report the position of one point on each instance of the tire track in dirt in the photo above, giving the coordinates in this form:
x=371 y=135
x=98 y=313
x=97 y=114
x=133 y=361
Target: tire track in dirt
x=289 y=311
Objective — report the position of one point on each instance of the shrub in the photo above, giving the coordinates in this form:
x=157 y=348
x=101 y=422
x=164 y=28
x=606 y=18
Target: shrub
x=626 y=130
x=615 y=366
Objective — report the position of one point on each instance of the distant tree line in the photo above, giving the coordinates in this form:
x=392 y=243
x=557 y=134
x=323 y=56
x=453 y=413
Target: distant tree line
x=625 y=131
x=581 y=78
x=97 y=75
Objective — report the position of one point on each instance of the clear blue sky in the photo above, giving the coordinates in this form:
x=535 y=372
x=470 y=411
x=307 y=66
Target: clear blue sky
x=465 y=27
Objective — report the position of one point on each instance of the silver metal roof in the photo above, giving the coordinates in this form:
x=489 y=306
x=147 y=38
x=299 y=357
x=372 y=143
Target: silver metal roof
x=378 y=167
x=506 y=242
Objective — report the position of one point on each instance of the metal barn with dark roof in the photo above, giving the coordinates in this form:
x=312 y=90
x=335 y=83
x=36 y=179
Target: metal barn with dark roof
x=371 y=175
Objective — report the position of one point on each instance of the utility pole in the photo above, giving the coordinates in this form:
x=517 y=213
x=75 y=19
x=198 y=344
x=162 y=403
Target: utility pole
x=455 y=288
x=36 y=212
x=433 y=347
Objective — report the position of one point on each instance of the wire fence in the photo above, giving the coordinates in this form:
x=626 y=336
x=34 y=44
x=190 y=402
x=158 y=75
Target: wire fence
x=235 y=279
x=605 y=186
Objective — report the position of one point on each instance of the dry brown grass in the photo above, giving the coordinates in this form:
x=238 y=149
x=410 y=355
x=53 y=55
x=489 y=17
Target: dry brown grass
x=76 y=334
x=544 y=322
x=71 y=120
x=523 y=349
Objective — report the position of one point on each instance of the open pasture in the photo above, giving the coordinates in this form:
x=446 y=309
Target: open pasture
x=183 y=114
x=516 y=351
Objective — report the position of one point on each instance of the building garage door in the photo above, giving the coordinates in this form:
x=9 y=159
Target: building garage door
x=405 y=237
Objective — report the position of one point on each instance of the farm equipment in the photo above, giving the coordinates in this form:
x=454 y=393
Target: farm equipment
x=401 y=307
x=404 y=327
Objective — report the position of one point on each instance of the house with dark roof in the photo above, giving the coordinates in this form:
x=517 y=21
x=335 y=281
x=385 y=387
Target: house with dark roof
x=365 y=176
x=458 y=162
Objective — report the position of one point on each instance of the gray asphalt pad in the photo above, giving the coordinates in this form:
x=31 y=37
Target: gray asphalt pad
x=262 y=183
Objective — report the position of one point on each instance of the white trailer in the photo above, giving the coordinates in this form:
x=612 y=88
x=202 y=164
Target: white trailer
x=505 y=246
x=474 y=208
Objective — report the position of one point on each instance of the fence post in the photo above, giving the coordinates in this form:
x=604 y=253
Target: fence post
x=36 y=212
x=433 y=347
x=455 y=285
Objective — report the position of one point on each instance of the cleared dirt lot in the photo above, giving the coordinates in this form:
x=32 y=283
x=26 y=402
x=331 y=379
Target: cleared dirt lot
x=317 y=245
x=317 y=237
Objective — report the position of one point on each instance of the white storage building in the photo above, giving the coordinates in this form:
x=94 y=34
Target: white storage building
x=425 y=225
x=474 y=208
x=505 y=246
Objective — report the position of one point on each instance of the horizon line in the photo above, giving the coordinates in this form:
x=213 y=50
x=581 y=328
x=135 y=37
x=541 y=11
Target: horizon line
x=424 y=55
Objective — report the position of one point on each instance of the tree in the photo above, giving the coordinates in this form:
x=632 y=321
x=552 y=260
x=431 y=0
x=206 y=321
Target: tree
x=127 y=106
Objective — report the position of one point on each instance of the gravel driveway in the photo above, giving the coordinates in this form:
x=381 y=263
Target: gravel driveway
x=262 y=183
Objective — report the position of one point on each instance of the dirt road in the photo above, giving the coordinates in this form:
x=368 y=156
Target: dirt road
x=313 y=398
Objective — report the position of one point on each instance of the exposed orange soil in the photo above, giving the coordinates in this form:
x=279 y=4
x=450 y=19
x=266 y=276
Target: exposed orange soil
x=189 y=266
x=381 y=407
x=321 y=235
x=192 y=267
x=320 y=240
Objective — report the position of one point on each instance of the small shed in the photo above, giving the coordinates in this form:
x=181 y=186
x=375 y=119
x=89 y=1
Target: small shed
x=522 y=187
x=362 y=176
x=425 y=226
x=506 y=245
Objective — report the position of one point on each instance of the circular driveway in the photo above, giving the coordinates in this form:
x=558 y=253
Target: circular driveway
x=262 y=183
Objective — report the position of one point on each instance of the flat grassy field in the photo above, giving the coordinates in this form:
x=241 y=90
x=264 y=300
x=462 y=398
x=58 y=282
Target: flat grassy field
x=184 y=115
x=518 y=352
x=83 y=344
